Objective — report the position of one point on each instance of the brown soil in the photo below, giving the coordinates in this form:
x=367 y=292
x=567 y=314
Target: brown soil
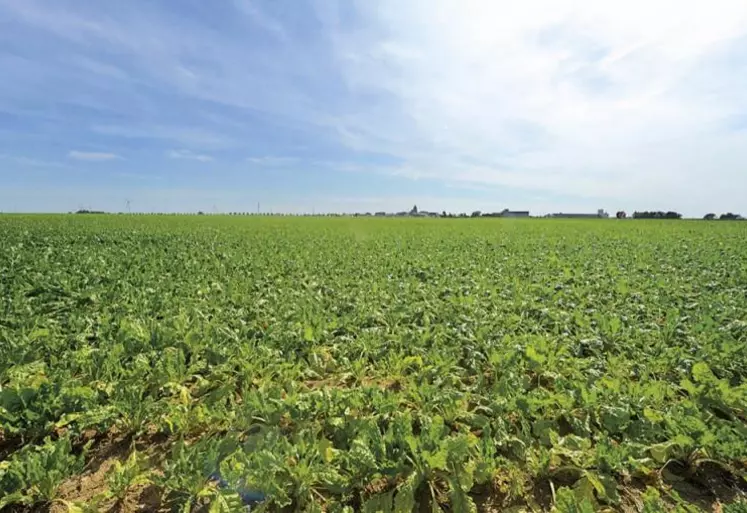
x=89 y=487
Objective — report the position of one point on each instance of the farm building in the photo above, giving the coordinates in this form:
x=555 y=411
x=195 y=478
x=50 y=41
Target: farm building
x=514 y=213
x=600 y=214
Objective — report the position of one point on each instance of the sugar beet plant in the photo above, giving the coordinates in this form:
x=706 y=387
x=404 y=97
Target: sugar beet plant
x=372 y=365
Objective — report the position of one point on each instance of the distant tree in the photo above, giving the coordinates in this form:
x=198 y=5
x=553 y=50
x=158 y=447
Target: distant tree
x=621 y=214
x=729 y=217
x=709 y=217
x=657 y=215
x=200 y=213
x=476 y=213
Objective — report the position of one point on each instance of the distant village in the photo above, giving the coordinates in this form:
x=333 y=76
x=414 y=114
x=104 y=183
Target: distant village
x=414 y=212
x=599 y=214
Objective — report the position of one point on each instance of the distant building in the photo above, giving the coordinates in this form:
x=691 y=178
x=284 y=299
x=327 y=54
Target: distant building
x=514 y=213
x=600 y=214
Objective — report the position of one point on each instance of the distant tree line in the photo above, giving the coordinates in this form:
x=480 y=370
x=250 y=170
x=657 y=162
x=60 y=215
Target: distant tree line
x=657 y=215
x=723 y=217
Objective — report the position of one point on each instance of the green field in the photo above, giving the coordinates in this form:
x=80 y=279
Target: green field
x=371 y=364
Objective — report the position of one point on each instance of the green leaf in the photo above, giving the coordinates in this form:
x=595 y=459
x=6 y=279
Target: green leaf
x=39 y=333
x=611 y=494
x=224 y=501
x=566 y=501
x=615 y=419
x=535 y=356
x=404 y=500
x=326 y=450
x=437 y=460
x=361 y=456
x=381 y=503
x=702 y=373
x=458 y=497
x=652 y=415
x=596 y=483
x=584 y=490
x=660 y=452
x=605 y=487
x=15 y=498
x=308 y=334
x=652 y=502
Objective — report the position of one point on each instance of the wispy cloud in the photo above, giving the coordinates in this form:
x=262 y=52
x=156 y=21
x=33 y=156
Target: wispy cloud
x=188 y=155
x=262 y=19
x=269 y=161
x=97 y=67
x=31 y=162
x=191 y=136
x=617 y=102
x=91 y=156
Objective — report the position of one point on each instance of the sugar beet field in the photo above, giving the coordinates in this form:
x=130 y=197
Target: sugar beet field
x=215 y=363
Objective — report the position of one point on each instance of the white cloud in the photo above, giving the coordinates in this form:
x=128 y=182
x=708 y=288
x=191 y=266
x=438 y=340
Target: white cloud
x=188 y=155
x=615 y=101
x=91 y=156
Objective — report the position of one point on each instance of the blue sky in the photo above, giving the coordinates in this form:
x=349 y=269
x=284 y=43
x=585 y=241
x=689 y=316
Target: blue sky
x=359 y=106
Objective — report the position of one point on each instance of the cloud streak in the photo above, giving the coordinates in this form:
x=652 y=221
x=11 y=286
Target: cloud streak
x=270 y=161
x=31 y=162
x=91 y=156
x=188 y=155
x=196 y=136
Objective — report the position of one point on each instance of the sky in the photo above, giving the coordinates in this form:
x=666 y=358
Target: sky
x=355 y=105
